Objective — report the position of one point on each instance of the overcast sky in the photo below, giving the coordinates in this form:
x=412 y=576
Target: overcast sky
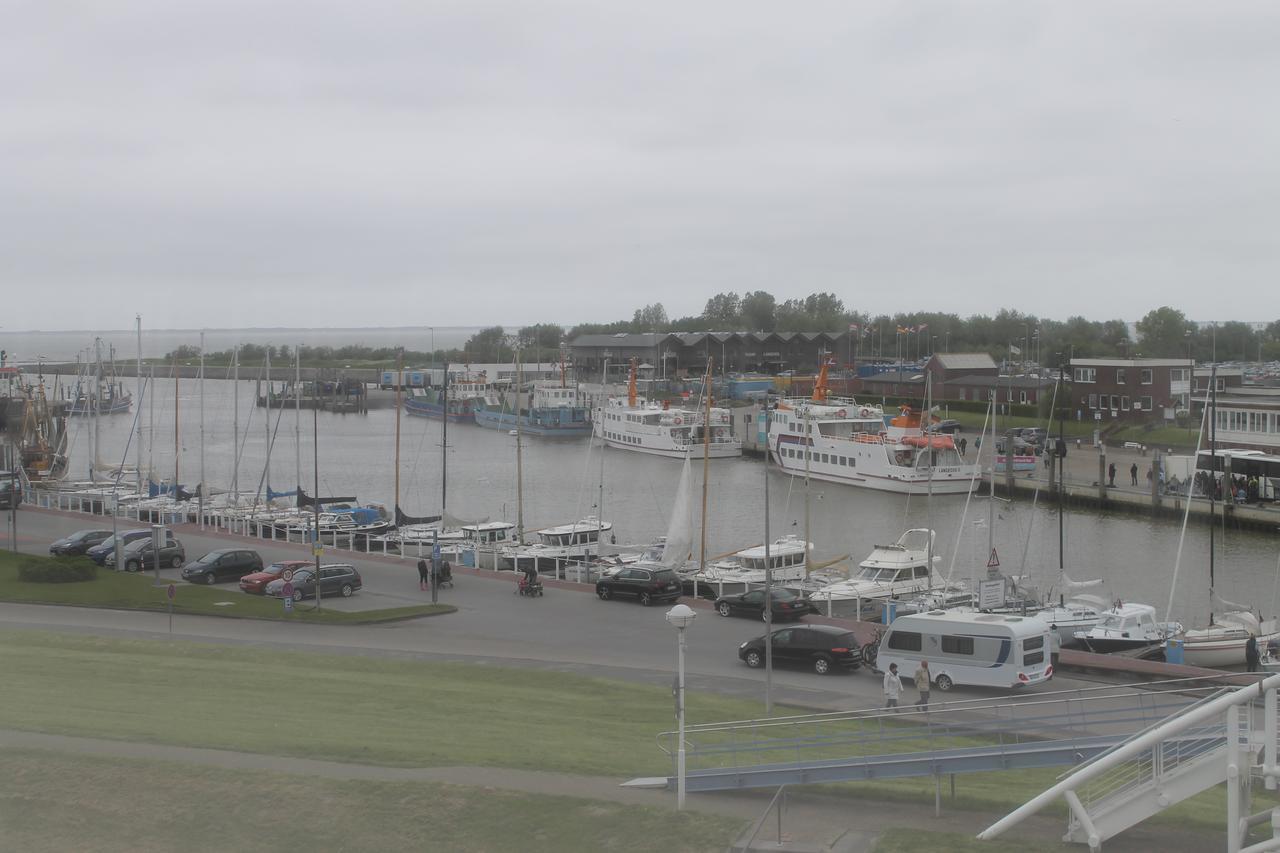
x=265 y=164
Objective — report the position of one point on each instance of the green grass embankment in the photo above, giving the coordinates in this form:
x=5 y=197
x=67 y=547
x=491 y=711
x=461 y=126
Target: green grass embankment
x=138 y=591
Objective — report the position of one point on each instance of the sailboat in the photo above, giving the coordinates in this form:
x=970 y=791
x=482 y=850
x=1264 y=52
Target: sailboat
x=1223 y=641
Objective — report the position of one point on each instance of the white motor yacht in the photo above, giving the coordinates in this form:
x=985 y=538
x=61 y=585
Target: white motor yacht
x=890 y=571
x=1125 y=627
x=745 y=569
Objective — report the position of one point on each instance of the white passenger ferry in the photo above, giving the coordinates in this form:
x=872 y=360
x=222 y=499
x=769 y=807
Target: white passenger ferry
x=842 y=441
x=664 y=430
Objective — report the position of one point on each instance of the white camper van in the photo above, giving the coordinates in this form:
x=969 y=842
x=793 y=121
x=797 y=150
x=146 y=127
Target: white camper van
x=983 y=649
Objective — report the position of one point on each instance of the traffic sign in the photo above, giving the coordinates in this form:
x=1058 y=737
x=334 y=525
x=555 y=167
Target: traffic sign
x=172 y=592
x=287 y=592
x=994 y=561
x=287 y=574
x=317 y=550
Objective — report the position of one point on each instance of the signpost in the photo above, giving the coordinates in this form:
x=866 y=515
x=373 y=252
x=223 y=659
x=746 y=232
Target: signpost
x=171 y=593
x=157 y=542
x=287 y=591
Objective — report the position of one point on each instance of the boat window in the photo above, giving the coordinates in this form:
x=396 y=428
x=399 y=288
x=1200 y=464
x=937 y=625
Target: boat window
x=922 y=571
x=1110 y=620
x=907 y=641
x=957 y=645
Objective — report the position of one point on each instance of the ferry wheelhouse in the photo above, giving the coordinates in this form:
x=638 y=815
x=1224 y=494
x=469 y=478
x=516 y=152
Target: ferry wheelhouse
x=662 y=430
x=457 y=402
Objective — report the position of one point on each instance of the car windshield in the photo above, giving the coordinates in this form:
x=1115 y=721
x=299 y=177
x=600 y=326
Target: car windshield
x=138 y=545
x=277 y=568
x=81 y=536
x=783 y=594
x=302 y=576
x=665 y=576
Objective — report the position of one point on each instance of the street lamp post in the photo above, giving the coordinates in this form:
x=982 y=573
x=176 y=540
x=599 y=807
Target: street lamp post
x=681 y=616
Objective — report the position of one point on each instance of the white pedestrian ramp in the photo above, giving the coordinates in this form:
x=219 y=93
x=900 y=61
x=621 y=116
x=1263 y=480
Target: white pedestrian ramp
x=1230 y=736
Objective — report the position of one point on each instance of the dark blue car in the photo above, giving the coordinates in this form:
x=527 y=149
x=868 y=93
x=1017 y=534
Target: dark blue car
x=98 y=553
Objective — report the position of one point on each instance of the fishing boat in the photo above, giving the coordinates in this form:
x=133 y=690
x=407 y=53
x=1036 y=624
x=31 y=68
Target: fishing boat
x=36 y=425
x=908 y=567
x=661 y=429
x=839 y=440
x=787 y=561
x=456 y=400
x=103 y=398
x=553 y=410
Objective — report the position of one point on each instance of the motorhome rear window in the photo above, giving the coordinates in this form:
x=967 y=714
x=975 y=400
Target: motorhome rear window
x=1032 y=658
x=1033 y=643
x=907 y=641
x=957 y=645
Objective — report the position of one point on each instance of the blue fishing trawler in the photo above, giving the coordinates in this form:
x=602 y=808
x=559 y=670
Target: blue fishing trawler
x=553 y=410
x=457 y=401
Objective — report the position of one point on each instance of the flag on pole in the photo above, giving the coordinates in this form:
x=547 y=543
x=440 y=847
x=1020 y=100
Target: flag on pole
x=903 y=331
x=922 y=327
x=1015 y=350
x=853 y=327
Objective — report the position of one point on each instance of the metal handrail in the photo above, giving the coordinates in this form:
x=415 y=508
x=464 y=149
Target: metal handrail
x=759 y=824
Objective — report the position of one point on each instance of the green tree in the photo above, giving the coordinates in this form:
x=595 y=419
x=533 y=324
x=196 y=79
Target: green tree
x=1164 y=333
x=758 y=311
x=722 y=312
x=489 y=346
x=650 y=318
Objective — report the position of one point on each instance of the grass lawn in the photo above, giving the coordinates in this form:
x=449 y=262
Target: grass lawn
x=130 y=591
x=383 y=711
x=55 y=802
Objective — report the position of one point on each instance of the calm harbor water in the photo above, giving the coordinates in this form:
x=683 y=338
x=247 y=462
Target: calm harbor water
x=562 y=483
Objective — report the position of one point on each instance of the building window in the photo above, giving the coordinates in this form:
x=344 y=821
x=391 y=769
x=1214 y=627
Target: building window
x=1115 y=402
x=1145 y=376
x=1144 y=403
x=1120 y=376
x=1179 y=374
x=1093 y=401
x=1124 y=404
x=1086 y=374
x=1022 y=397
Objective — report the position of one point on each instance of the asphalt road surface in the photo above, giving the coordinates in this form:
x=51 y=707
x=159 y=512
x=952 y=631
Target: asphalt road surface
x=567 y=629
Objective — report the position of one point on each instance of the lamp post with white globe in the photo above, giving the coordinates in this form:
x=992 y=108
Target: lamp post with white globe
x=681 y=616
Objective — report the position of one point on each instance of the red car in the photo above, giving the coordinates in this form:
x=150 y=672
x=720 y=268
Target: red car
x=256 y=583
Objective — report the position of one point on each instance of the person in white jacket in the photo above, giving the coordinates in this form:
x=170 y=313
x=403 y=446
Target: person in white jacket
x=892 y=686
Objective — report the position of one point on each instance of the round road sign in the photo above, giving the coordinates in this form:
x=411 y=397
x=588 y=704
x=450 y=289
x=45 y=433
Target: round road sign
x=287 y=574
x=287 y=592
x=172 y=592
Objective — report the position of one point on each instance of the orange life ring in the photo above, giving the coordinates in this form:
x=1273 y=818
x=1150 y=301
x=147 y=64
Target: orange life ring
x=842 y=414
x=677 y=421
x=864 y=412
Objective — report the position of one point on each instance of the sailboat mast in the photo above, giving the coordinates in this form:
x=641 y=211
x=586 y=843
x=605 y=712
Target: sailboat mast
x=151 y=426
x=444 y=444
x=177 y=446
x=201 y=489
x=399 y=386
x=706 y=458
x=1061 y=452
x=519 y=458
x=266 y=422
x=297 y=413
x=235 y=425
x=1213 y=467
x=137 y=448
x=97 y=406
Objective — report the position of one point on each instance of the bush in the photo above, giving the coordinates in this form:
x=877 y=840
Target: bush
x=57 y=571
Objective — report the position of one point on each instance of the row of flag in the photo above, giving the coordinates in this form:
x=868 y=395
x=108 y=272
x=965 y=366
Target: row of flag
x=902 y=330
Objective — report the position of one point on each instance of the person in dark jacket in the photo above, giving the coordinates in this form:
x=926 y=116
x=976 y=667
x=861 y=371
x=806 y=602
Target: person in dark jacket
x=424 y=574
x=1111 y=475
x=1251 y=656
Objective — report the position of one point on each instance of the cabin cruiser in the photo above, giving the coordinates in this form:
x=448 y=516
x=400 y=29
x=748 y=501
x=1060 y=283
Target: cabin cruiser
x=558 y=547
x=745 y=569
x=890 y=571
x=1223 y=643
x=1124 y=627
x=1078 y=614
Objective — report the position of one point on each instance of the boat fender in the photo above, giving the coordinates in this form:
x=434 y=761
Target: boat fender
x=864 y=412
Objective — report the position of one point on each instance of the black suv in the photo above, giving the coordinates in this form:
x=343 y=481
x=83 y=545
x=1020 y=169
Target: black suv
x=822 y=648
x=78 y=542
x=98 y=553
x=648 y=585
x=783 y=604
x=225 y=564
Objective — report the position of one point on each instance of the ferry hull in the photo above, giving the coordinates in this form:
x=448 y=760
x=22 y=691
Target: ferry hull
x=888 y=483
x=435 y=410
x=714 y=452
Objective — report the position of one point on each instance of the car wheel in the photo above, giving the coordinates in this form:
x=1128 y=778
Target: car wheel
x=298 y=596
x=176 y=562
x=603 y=592
x=944 y=682
x=645 y=599
x=723 y=608
x=754 y=659
x=347 y=590
x=210 y=579
x=822 y=665
x=131 y=567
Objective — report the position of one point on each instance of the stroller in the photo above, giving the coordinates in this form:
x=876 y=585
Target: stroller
x=528 y=584
x=445 y=577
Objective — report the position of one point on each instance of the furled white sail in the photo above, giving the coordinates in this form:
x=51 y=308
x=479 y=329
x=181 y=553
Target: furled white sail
x=680 y=525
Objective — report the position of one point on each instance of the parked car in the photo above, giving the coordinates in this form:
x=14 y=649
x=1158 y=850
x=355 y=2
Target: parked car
x=950 y=425
x=78 y=543
x=8 y=493
x=645 y=585
x=785 y=604
x=341 y=579
x=224 y=564
x=139 y=555
x=256 y=583
x=822 y=648
x=98 y=553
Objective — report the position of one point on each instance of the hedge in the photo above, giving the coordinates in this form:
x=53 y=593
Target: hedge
x=57 y=571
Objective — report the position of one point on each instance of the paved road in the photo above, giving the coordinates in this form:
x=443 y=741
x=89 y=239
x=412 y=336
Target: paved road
x=568 y=629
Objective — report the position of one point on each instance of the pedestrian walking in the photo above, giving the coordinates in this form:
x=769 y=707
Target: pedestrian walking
x=964 y=442
x=1133 y=474
x=892 y=686
x=424 y=574
x=1251 y=656
x=1111 y=475
x=922 y=684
